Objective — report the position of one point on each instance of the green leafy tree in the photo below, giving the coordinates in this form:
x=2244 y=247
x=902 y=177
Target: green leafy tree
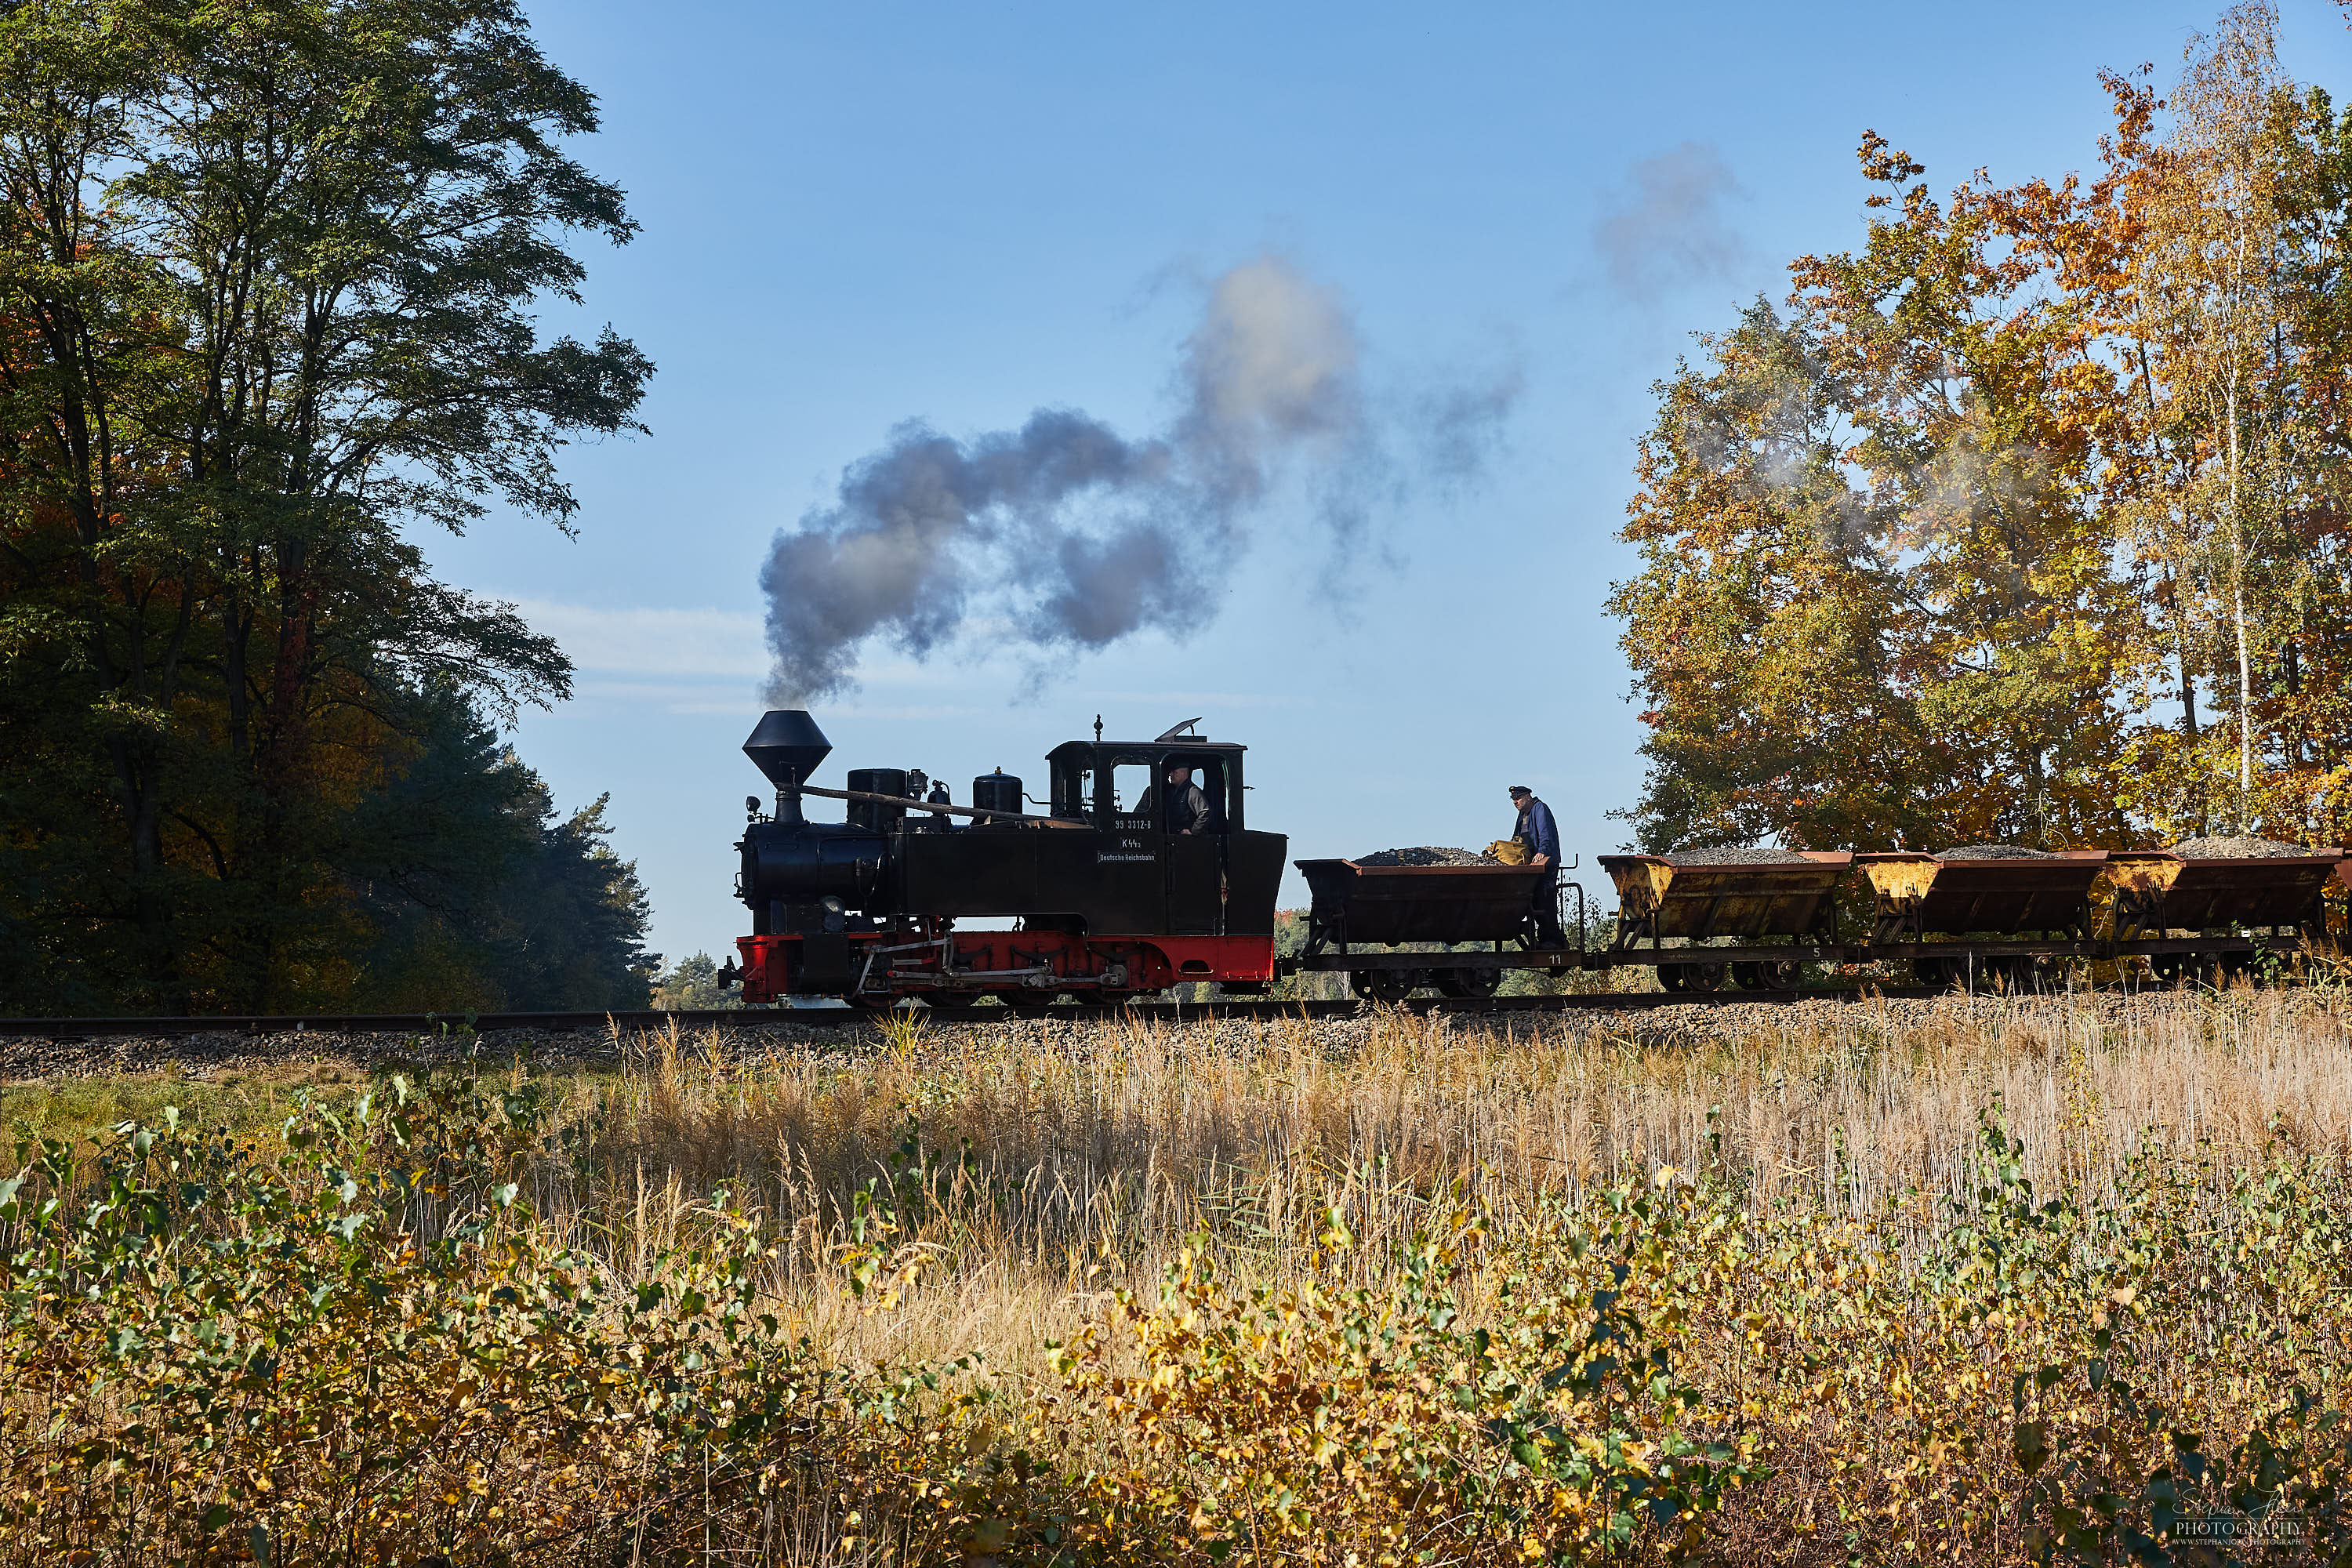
x=1762 y=628
x=265 y=275
x=694 y=984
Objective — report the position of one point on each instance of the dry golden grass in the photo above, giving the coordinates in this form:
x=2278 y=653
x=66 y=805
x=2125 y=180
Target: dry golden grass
x=1122 y=1140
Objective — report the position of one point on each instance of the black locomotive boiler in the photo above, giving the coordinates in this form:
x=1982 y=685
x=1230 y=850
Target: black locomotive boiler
x=1109 y=901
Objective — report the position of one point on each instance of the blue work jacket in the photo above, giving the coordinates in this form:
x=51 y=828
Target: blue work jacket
x=1538 y=831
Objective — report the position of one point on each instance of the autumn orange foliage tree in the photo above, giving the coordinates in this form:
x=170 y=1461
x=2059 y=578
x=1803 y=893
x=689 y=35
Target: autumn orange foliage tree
x=2024 y=520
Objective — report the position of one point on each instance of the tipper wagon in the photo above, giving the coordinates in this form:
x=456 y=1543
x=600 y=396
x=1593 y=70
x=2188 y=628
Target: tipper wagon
x=1422 y=907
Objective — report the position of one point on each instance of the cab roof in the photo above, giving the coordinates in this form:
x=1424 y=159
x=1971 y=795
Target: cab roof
x=1181 y=743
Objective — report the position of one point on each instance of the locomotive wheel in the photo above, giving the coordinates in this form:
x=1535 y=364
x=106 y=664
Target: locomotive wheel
x=1475 y=985
x=1027 y=1003
x=888 y=1004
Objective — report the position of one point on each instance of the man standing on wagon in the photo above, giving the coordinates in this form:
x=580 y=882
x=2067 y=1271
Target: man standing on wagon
x=1540 y=834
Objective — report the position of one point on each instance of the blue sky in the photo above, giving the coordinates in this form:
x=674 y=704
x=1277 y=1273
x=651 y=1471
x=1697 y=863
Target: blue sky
x=855 y=216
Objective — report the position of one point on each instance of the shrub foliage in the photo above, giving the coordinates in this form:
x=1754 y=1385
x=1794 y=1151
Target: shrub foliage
x=413 y=1324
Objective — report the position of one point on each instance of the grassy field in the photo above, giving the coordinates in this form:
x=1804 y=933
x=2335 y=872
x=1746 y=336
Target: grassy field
x=1966 y=1280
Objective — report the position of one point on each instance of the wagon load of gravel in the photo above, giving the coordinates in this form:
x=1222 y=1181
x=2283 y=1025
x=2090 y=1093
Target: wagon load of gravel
x=1426 y=855
x=2228 y=848
x=1994 y=852
x=1751 y=854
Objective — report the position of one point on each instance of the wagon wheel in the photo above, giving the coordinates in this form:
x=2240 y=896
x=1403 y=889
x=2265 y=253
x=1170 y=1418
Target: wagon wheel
x=1932 y=971
x=1767 y=975
x=1673 y=977
x=1386 y=985
x=1706 y=977
x=2168 y=968
x=1774 y=974
x=2021 y=972
x=1476 y=984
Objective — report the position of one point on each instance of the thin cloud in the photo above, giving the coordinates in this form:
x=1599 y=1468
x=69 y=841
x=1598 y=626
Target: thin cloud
x=1669 y=228
x=642 y=641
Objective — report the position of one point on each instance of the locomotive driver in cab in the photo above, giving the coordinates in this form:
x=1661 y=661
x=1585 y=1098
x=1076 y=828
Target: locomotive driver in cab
x=1182 y=807
x=1540 y=834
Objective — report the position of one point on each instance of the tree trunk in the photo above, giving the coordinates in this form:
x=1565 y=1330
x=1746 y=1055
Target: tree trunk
x=2238 y=619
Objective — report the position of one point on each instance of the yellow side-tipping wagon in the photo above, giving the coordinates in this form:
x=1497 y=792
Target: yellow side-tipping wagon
x=2000 y=899
x=1779 y=914
x=2173 y=906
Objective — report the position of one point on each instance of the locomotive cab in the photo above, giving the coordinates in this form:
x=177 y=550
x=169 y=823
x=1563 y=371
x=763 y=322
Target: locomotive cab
x=1107 y=899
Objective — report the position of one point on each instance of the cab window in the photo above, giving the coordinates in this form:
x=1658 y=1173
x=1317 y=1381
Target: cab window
x=1074 y=789
x=1209 y=778
x=1132 y=799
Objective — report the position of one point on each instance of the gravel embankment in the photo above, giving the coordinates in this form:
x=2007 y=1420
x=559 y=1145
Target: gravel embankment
x=1994 y=852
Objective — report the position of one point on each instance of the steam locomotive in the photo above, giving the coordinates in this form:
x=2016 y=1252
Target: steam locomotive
x=1110 y=901
x=1109 y=904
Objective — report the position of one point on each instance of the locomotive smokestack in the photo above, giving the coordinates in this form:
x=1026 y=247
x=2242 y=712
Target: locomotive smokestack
x=787 y=746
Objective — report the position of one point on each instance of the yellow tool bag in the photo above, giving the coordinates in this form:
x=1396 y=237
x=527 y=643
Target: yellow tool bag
x=1509 y=852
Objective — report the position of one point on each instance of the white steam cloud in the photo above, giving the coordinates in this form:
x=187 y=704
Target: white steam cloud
x=1072 y=536
x=1671 y=229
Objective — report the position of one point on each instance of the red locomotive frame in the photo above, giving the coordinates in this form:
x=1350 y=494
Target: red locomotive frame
x=927 y=961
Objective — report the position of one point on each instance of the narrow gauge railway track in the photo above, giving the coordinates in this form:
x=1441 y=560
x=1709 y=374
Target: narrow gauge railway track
x=828 y=1017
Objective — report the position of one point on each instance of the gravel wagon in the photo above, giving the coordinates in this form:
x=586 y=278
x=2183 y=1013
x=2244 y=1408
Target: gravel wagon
x=2175 y=907
x=2002 y=900
x=1355 y=906
x=1778 y=907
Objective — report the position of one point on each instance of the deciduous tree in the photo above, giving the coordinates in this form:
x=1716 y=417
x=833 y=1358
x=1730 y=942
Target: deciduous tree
x=267 y=269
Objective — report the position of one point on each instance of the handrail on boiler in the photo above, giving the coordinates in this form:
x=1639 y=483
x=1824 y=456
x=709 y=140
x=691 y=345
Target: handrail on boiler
x=939 y=805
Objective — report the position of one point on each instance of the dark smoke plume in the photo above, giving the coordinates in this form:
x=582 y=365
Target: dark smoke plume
x=1066 y=530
